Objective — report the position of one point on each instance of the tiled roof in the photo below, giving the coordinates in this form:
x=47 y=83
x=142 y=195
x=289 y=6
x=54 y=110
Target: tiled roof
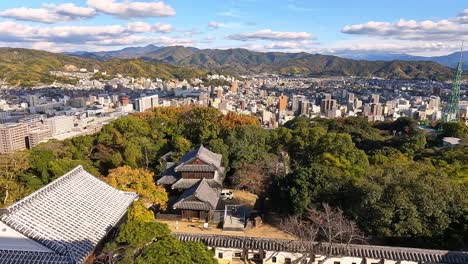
x=187 y=183
x=199 y=197
x=70 y=216
x=375 y=252
x=169 y=176
x=197 y=167
x=204 y=154
x=31 y=257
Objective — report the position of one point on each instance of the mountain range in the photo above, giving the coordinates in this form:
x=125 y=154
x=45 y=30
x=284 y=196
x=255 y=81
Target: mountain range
x=26 y=67
x=450 y=60
x=243 y=61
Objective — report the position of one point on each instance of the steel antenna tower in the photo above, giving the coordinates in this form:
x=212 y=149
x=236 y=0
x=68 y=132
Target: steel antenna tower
x=452 y=111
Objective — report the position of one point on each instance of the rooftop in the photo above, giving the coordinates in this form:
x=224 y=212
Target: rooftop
x=63 y=221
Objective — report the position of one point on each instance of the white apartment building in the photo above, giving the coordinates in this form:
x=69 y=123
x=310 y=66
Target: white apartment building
x=13 y=136
x=147 y=102
x=60 y=124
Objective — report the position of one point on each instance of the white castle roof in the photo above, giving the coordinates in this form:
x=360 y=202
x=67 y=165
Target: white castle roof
x=62 y=222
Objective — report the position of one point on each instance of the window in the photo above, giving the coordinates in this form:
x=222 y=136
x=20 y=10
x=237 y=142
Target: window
x=336 y=262
x=287 y=260
x=238 y=254
x=220 y=255
x=304 y=261
x=256 y=256
x=273 y=259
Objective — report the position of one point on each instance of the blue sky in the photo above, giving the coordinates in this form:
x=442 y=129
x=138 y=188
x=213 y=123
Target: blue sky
x=426 y=27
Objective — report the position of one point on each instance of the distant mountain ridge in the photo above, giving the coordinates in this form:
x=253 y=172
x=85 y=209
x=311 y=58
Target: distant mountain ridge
x=243 y=61
x=450 y=60
x=26 y=67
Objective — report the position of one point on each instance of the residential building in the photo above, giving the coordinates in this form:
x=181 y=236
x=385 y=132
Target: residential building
x=13 y=137
x=283 y=102
x=60 y=124
x=147 y=102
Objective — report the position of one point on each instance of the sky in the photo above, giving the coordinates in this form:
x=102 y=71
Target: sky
x=417 y=27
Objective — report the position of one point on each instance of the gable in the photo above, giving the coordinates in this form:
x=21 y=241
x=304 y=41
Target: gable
x=197 y=161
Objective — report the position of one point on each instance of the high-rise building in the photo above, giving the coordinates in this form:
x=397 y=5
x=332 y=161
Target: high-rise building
x=283 y=102
x=147 y=102
x=375 y=98
x=13 y=136
x=296 y=101
x=234 y=87
x=350 y=97
x=327 y=104
x=60 y=124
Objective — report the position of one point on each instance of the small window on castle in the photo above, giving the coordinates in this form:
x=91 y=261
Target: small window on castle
x=273 y=259
x=220 y=255
x=336 y=262
x=287 y=260
x=256 y=256
x=238 y=254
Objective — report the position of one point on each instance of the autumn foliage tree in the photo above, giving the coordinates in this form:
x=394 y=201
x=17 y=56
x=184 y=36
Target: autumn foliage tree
x=140 y=181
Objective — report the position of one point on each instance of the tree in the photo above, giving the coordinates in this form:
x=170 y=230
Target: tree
x=140 y=181
x=171 y=251
x=455 y=129
x=202 y=124
x=247 y=144
x=152 y=242
x=11 y=166
x=328 y=227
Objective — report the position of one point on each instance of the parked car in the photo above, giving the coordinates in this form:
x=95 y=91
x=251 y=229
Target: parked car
x=226 y=195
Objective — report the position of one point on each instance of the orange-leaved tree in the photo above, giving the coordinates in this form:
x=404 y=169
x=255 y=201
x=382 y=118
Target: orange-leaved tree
x=140 y=181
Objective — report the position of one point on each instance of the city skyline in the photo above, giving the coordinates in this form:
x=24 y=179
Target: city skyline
x=330 y=27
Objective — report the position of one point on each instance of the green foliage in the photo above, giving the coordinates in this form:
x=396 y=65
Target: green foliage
x=247 y=144
x=139 y=233
x=24 y=67
x=152 y=242
x=171 y=251
x=455 y=129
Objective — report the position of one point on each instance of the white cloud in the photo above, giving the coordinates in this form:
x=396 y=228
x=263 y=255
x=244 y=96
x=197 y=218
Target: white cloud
x=130 y=9
x=446 y=29
x=50 y=13
x=139 y=27
x=376 y=44
x=268 y=34
x=283 y=46
x=15 y=32
x=162 y=28
x=214 y=24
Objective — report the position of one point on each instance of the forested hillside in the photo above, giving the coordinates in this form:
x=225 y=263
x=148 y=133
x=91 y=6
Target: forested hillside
x=400 y=189
x=25 y=67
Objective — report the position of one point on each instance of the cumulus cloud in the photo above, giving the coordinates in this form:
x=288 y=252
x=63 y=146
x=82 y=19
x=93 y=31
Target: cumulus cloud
x=162 y=28
x=15 y=32
x=376 y=44
x=50 y=13
x=446 y=29
x=268 y=34
x=130 y=9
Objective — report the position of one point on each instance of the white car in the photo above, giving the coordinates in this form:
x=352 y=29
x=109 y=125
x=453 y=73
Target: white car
x=226 y=195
